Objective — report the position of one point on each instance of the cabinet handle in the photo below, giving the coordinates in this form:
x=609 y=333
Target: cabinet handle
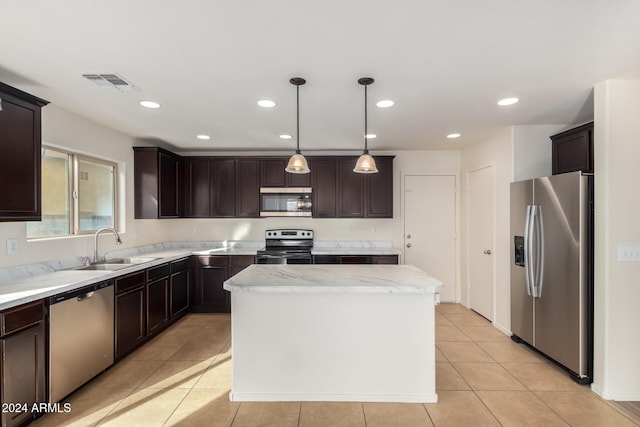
x=408 y=245
x=487 y=252
x=408 y=236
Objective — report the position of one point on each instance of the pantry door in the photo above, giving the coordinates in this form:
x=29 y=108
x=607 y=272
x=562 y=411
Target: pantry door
x=430 y=228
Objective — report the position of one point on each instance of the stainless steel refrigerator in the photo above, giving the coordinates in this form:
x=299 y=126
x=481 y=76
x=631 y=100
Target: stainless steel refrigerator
x=552 y=269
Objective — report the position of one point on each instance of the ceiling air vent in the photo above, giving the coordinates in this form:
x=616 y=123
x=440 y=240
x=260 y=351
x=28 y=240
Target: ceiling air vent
x=113 y=81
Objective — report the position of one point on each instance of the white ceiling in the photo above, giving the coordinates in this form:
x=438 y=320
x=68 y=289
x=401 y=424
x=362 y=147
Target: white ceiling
x=445 y=63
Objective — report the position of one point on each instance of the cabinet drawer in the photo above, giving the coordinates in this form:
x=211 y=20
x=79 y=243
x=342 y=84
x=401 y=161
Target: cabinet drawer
x=355 y=259
x=242 y=260
x=130 y=281
x=22 y=317
x=384 y=259
x=326 y=259
x=214 y=261
x=179 y=265
x=155 y=273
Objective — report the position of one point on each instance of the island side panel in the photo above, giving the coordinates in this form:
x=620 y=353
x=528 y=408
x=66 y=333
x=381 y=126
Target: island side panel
x=365 y=347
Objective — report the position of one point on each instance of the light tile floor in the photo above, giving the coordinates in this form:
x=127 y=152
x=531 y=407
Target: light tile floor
x=183 y=377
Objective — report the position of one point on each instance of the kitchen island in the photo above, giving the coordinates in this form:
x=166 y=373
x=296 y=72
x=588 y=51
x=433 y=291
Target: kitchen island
x=361 y=333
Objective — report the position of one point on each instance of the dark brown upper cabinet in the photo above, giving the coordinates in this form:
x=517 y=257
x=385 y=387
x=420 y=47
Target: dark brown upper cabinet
x=364 y=195
x=20 y=144
x=379 y=189
x=324 y=184
x=572 y=150
x=350 y=195
x=247 y=188
x=223 y=188
x=156 y=192
x=272 y=174
x=195 y=187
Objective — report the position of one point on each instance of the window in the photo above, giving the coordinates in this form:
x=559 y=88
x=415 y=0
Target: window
x=78 y=194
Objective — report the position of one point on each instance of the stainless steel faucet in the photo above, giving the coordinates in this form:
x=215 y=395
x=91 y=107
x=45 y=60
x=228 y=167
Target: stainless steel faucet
x=95 y=250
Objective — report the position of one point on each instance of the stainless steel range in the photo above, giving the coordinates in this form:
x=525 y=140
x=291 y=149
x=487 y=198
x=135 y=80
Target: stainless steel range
x=286 y=246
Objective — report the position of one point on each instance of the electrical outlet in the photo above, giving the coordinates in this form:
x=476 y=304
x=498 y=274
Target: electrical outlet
x=629 y=253
x=12 y=246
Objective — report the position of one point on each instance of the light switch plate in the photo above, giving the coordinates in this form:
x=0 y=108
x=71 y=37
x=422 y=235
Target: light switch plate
x=629 y=253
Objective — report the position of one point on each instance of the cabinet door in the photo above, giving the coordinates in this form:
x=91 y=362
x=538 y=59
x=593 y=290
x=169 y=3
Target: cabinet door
x=324 y=184
x=272 y=173
x=197 y=177
x=572 y=150
x=214 y=298
x=130 y=320
x=157 y=305
x=23 y=377
x=179 y=293
x=168 y=185
x=20 y=136
x=379 y=190
x=248 y=188
x=350 y=200
x=223 y=188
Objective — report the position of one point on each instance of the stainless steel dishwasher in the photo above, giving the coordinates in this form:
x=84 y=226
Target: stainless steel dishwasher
x=80 y=337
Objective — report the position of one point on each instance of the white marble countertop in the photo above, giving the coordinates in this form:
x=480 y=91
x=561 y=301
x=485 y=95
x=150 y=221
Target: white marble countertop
x=335 y=278
x=20 y=285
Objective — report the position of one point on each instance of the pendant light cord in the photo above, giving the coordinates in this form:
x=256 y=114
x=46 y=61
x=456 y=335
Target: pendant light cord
x=366 y=150
x=297 y=119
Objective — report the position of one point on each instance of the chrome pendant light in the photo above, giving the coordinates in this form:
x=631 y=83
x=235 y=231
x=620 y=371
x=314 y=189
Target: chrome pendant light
x=297 y=162
x=366 y=162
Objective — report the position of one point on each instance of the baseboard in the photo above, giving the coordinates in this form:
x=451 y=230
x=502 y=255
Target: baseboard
x=282 y=397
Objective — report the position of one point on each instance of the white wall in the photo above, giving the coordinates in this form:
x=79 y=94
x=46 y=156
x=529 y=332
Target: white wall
x=532 y=150
x=495 y=151
x=617 y=203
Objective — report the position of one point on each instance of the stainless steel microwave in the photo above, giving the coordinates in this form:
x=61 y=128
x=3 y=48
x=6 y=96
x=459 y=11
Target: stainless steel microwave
x=285 y=201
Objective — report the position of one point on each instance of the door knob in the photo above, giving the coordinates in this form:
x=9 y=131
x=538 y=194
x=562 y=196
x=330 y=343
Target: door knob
x=408 y=245
x=408 y=236
x=487 y=252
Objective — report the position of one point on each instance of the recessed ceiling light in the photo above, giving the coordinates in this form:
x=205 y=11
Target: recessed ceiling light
x=370 y=135
x=453 y=135
x=266 y=103
x=508 y=101
x=385 y=103
x=285 y=136
x=204 y=137
x=149 y=104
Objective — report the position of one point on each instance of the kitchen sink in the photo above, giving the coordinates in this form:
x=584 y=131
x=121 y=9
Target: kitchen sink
x=132 y=260
x=104 y=266
x=116 y=264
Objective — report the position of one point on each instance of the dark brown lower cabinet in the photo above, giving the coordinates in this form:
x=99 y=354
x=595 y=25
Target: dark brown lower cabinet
x=157 y=305
x=209 y=274
x=147 y=301
x=355 y=259
x=157 y=298
x=179 y=288
x=22 y=367
x=130 y=313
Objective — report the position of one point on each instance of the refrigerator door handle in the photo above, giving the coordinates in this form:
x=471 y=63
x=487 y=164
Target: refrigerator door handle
x=528 y=250
x=539 y=251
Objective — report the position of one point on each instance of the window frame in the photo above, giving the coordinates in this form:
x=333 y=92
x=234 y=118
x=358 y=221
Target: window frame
x=74 y=159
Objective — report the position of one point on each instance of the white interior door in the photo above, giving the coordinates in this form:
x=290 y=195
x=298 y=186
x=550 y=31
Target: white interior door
x=430 y=228
x=480 y=214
